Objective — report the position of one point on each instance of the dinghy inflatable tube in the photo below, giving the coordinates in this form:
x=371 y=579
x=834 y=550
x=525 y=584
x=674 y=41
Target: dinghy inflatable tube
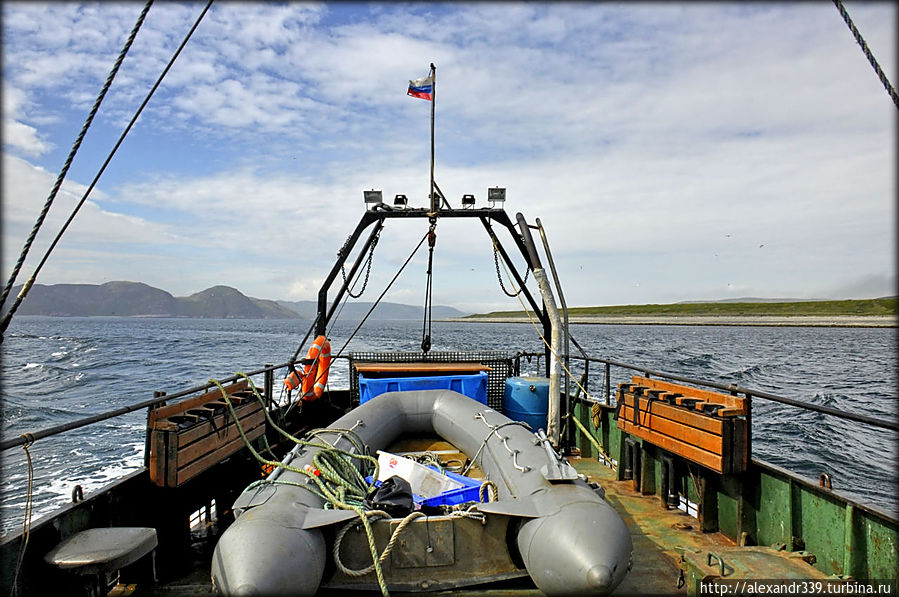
x=572 y=542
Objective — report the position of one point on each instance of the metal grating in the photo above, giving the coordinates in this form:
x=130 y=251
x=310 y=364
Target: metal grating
x=501 y=364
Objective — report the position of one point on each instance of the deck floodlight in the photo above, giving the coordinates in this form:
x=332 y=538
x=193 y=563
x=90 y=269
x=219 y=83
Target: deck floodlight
x=400 y=201
x=372 y=197
x=496 y=195
x=467 y=201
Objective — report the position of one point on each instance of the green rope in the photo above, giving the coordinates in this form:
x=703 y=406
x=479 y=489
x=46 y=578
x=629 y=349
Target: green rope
x=338 y=482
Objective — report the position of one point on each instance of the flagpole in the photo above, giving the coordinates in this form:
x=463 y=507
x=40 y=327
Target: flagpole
x=435 y=204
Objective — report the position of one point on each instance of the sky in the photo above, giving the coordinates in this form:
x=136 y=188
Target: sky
x=672 y=152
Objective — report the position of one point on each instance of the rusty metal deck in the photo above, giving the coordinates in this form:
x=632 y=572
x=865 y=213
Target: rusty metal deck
x=657 y=533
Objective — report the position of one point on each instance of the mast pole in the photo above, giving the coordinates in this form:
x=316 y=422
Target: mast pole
x=435 y=203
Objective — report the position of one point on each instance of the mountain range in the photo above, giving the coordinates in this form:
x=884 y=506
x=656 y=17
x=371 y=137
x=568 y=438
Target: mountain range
x=135 y=299
x=384 y=310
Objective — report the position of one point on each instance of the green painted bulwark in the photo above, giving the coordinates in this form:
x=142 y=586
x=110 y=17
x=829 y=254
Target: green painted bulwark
x=875 y=549
x=770 y=506
x=821 y=526
x=774 y=519
x=846 y=538
x=729 y=495
x=583 y=415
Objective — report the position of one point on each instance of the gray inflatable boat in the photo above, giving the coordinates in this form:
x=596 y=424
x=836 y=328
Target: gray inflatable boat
x=546 y=523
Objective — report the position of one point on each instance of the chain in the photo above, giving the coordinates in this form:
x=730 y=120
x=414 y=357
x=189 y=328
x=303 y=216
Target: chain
x=500 y=278
x=864 y=46
x=371 y=254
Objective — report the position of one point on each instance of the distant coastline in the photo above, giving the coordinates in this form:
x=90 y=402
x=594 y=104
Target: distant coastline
x=878 y=312
x=841 y=321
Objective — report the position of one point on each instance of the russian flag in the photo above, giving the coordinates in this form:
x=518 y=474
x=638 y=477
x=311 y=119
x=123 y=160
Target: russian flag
x=422 y=88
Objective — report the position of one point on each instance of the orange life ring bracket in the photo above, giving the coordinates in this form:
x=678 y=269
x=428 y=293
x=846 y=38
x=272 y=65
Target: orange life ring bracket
x=315 y=374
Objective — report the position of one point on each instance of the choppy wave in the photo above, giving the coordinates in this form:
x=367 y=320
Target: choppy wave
x=106 y=363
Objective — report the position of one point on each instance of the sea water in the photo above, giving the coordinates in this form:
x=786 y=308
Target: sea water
x=56 y=370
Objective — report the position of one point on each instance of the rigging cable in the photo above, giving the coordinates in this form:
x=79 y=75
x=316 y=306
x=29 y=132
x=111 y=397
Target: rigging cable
x=342 y=253
x=9 y=314
x=339 y=353
x=74 y=150
x=864 y=46
x=375 y=304
x=426 y=322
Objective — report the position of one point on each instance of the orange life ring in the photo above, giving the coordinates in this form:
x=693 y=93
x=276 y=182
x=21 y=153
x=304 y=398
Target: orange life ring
x=315 y=374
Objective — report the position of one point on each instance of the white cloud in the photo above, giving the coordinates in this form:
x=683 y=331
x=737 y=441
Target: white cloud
x=95 y=231
x=661 y=145
x=24 y=138
x=17 y=134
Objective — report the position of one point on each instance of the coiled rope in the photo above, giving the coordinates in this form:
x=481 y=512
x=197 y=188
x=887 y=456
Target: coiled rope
x=338 y=540
x=337 y=481
x=490 y=489
x=342 y=492
x=341 y=485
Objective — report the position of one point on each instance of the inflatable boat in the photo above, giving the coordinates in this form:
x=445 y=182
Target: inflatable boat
x=544 y=520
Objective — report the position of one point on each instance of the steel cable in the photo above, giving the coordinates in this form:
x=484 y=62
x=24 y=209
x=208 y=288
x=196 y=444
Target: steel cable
x=74 y=150
x=9 y=314
x=864 y=46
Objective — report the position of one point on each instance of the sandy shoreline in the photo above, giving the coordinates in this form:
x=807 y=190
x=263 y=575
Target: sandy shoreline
x=850 y=321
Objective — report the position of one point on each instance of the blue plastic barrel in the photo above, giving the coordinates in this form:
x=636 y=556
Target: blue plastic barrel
x=527 y=400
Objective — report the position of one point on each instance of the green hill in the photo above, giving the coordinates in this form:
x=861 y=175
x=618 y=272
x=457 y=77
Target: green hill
x=134 y=299
x=880 y=306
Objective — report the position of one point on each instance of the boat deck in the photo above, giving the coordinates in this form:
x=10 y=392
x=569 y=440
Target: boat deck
x=657 y=535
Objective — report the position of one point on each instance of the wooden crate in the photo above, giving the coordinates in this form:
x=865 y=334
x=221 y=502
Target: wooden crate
x=672 y=417
x=179 y=452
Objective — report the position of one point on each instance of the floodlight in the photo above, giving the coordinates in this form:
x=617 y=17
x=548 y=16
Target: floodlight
x=372 y=197
x=496 y=195
x=467 y=201
x=400 y=201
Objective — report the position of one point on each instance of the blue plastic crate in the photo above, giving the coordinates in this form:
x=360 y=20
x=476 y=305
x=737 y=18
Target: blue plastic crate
x=470 y=492
x=472 y=385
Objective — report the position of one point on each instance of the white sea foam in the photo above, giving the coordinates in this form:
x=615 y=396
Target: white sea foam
x=93 y=480
x=31 y=366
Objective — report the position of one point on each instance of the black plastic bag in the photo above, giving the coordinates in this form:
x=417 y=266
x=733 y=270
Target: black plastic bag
x=394 y=496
